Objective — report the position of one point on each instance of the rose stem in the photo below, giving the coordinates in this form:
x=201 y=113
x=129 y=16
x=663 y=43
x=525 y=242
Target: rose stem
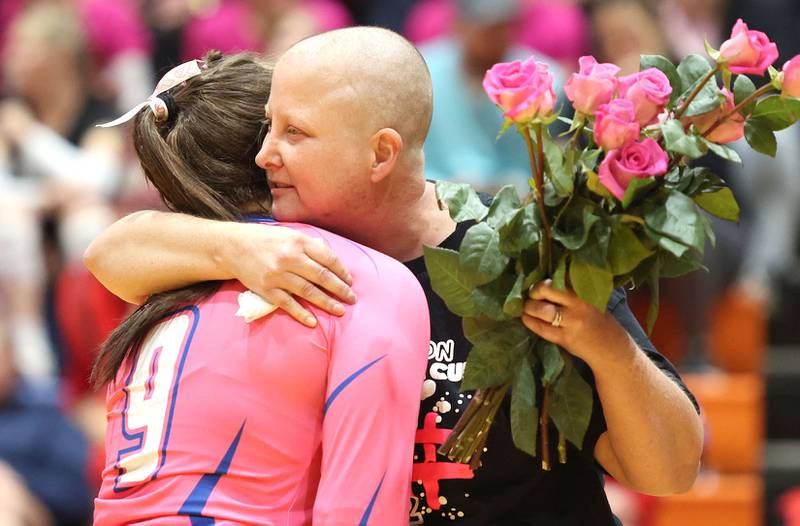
x=750 y=98
x=696 y=92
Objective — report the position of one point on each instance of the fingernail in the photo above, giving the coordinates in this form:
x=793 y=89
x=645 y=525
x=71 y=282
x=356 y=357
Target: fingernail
x=311 y=321
x=351 y=297
x=338 y=309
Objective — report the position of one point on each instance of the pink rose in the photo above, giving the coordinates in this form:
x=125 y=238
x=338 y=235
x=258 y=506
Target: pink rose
x=641 y=160
x=747 y=51
x=592 y=86
x=523 y=90
x=615 y=124
x=791 y=77
x=732 y=129
x=649 y=90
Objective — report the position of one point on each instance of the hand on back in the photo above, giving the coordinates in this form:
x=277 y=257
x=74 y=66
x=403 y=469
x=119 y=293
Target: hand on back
x=284 y=266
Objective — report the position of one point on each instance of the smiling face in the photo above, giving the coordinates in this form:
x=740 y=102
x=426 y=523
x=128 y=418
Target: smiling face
x=316 y=151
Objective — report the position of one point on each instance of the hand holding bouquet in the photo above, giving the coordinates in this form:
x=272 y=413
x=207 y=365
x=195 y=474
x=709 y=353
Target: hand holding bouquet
x=614 y=202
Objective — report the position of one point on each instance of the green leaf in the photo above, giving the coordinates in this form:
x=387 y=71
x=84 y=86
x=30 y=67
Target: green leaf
x=593 y=284
x=596 y=187
x=777 y=112
x=676 y=140
x=713 y=53
x=485 y=367
x=497 y=347
x=588 y=158
x=573 y=228
x=534 y=277
x=571 y=405
x=552 y=361
x=680 y=220
x=448 y=281
x=462 y=201
x=505 y=203
x=506 y=336
x=668 y=68
x=721 y=203
x=515 y=299
x=574 y=124
x=524 y=413
x=479 y=256
x=491 y=297
x=521 y=231
x=692 y=70
x=507 y=124
x=637 y=188
x=743 y=87
x=595 y=252
x=560 y=273
x=625 y=250
x=673 y=267
x=727 y=153
x=689 y=181
x=562 y=181
x=679 y=250
x=760 y=137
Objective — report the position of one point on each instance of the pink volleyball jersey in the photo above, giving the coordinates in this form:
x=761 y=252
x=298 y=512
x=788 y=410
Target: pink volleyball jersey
x=215 y=420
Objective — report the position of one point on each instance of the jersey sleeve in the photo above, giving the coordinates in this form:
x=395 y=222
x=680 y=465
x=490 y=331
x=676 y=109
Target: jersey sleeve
x=379 y=350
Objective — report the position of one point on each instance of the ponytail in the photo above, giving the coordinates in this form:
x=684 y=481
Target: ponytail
x=202 y=162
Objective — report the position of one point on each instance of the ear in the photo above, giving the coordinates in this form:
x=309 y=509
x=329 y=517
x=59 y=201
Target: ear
x=386 y=145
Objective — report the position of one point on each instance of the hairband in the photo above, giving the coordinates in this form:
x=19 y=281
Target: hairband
x=158 y=104
x=164 y=107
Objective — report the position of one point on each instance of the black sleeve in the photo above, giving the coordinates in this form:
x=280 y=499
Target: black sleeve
x=485 y=198
x=618 y=306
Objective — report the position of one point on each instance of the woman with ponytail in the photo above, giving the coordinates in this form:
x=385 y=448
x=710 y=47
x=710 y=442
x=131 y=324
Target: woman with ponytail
x=220 y=409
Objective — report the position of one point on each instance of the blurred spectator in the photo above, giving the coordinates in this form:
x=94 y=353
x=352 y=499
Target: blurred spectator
x=770 y=189
x=42 y=455
x=268 y=26
x=557 y=28
x=391 y=14
x=55 y=165
x=625 y=29
x=462 y=144
x=688 y=23
x=119 y=46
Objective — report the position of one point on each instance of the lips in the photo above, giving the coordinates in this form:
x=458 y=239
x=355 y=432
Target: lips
x=277 y=185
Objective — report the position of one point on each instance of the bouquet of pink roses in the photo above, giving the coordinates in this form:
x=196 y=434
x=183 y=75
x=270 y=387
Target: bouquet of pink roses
x=614 y=202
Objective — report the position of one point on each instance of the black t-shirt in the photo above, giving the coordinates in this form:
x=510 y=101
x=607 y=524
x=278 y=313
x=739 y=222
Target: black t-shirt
x=510 y=489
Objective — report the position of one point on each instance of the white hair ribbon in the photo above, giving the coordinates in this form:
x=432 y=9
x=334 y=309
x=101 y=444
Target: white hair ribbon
x=175 y=76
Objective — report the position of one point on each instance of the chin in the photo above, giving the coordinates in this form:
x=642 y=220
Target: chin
x=288 y=214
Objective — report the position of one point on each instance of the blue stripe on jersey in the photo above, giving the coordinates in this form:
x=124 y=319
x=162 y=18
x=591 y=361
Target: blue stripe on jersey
x=368 y=511
x=258 y=218
x=339 y=388
x=194 y=504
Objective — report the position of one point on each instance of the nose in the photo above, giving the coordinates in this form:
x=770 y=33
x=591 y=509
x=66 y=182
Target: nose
x=268 y=156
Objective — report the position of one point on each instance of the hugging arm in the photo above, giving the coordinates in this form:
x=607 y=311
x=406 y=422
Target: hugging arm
x=149 y=252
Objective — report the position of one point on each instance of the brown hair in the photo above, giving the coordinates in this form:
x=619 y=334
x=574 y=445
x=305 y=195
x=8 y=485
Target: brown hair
x=201 y=159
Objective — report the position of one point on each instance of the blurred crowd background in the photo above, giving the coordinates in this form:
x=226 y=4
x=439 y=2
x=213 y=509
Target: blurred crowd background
x=69 y=64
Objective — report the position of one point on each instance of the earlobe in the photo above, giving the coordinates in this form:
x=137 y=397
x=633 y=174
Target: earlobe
x=386 y=147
